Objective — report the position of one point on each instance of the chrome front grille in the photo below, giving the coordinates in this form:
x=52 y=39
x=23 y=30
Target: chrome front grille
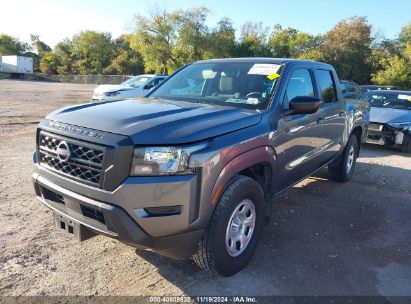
x=78 y=160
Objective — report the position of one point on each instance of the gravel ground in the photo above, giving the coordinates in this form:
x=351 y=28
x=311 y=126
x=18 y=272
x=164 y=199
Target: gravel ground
x=324 y=238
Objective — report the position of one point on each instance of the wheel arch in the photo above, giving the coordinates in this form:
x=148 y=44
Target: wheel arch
x=358 y=132
x=259 y=164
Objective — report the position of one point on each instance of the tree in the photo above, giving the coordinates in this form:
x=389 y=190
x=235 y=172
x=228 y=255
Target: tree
x=192 y=33
x=38 y=45
x=280 y=41
x=396 y=71
x=221 y=40
x=63 y=52
x=155 y=39
x=40 y=48
x=91 y=51
x=314 y=55
x=405 y=34
x=126 y=61
x=49 y=63
x=12 y=46
x=290 y=43
x=347 y=46
x=253 y=41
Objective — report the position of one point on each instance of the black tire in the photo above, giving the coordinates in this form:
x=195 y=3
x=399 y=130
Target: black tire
x=339 y=172
x=212 y=254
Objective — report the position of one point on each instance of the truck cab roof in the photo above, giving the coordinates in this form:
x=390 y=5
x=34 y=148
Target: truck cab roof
x=268 y=60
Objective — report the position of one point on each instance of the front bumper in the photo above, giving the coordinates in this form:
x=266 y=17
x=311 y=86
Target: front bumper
x=382 y=134
x=169 y=235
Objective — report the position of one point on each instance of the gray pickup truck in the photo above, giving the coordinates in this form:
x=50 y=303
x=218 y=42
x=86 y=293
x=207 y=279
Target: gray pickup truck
x=191 y=170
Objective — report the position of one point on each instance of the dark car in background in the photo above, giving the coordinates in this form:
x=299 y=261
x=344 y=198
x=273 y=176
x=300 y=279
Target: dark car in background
x=350 y=89
x=390 y=118
x=374 y=87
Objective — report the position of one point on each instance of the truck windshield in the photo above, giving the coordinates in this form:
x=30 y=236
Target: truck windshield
x=242 y=84
x=389 y=100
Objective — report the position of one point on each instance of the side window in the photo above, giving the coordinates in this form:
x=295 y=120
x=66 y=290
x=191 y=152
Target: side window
x=327 y=86
x=352 y=88
x=300 y=84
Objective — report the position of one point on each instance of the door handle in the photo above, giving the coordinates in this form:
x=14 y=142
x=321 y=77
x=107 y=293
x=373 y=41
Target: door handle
x=341 y=114
x=319 y=119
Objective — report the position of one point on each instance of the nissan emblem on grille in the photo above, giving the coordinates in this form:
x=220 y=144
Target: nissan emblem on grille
x=73 y=158
x=63 y=151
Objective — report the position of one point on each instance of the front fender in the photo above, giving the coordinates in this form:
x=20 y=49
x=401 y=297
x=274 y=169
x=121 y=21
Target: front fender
x=264 y=154
x=358 y=114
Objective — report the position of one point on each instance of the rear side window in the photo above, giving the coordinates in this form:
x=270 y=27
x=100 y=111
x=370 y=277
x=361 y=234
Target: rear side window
x=327 y=86
x=300 y=84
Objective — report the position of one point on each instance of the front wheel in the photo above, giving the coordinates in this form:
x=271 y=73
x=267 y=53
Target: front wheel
x=344 y=169
x=234 y=229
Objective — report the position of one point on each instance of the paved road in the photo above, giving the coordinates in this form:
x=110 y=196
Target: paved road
x=324 y=238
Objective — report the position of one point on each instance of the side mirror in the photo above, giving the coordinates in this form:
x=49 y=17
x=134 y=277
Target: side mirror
x=148 y=86
x=305 y=104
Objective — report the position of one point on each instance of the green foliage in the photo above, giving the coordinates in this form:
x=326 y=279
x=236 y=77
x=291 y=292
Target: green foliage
x=126 y=61
x=40 y=48
x=12 y=46
x=49 y=63
x=396 y=71
x=63 y=52
x=192 y=33
x=253 y=41
x=91 y=51
x=156 y=39
x=221 y=40
x=290 y=42
x=348 y=46
x=405 y=34
x=314 y=55
x=163 y=41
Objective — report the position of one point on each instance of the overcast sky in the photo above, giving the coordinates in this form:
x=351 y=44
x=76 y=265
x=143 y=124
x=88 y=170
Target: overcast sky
x=58 y=19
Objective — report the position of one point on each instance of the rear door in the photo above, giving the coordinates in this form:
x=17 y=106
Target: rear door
x=333 y=108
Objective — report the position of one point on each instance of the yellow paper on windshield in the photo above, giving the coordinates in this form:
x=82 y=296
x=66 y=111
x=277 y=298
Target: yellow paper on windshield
x=273 y=76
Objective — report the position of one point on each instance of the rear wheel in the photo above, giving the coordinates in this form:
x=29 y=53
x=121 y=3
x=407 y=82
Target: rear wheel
x=344 y=169
x=234 y=229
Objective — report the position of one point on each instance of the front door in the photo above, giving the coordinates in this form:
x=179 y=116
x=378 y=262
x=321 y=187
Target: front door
x=299 y=139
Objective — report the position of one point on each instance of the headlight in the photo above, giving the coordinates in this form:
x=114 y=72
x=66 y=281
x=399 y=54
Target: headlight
x=163 y=160
x=401 y=125
x=112 y=93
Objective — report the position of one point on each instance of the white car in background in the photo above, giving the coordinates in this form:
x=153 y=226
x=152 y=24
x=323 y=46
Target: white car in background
x=134 y=87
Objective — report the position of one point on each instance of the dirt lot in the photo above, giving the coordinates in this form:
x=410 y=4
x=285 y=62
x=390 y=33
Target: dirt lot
x=324 y=238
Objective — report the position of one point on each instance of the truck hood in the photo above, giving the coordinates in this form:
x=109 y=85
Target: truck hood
x=387 y=115
x=154 y=121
